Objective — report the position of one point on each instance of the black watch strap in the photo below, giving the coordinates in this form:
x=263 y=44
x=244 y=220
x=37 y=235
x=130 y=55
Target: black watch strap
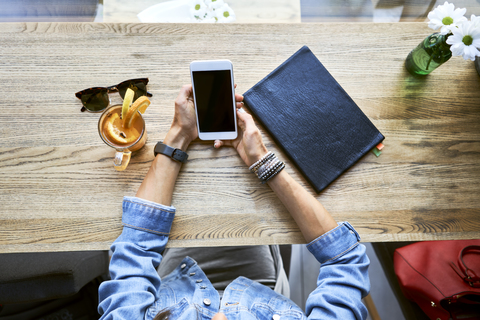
x=175 y=154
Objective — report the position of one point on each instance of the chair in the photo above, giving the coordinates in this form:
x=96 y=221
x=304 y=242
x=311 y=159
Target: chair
x=34 y=284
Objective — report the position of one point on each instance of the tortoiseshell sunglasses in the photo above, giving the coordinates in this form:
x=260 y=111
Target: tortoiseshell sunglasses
x=96 y=99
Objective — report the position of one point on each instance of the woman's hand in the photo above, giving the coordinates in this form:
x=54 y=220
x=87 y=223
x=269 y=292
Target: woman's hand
x=184 y=125
x=248 y=143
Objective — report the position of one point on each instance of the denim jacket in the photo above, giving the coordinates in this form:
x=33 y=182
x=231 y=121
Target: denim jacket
x=135 y=290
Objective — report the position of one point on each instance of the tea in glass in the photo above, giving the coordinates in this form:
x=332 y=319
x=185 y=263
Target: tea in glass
x=125 y=140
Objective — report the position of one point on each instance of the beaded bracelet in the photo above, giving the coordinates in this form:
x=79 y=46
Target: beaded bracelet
x=270 y=171
x=259 y=160
x=275 y=173
x=268 y=163
x=267 y=167
x=254 y=167
x=261 y=170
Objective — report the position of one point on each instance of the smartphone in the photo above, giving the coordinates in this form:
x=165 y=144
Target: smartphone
x=214 y=98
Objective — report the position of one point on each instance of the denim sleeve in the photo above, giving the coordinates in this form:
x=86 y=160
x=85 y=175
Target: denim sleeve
x=343 y=278
x=136 y=255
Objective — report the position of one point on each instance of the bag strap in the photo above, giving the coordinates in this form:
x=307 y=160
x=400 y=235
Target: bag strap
x=463 y=271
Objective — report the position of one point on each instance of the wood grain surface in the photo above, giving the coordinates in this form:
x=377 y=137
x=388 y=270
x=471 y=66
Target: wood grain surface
x=59 y=191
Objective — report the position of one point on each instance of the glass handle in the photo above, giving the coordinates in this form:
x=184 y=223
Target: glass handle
x=122 y=158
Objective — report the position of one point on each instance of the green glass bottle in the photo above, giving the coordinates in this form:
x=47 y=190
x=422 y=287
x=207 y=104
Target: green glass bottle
x=428 y=55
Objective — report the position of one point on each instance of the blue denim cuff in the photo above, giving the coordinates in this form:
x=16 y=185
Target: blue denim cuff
x=147 y=216
x=334 y=243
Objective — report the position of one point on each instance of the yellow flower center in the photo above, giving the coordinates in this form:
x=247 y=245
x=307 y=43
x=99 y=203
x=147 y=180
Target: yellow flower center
x=197 y=7
x=447 y=21
x=467 y=40
x=226 y=14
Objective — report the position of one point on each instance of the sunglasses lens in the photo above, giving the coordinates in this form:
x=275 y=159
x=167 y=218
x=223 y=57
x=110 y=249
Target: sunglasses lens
x=95 y=101
x=139 y=87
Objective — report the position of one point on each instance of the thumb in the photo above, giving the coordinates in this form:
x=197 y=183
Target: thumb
x=242 y=118
x=217 y=144
x=220 y=143
x=245 y=119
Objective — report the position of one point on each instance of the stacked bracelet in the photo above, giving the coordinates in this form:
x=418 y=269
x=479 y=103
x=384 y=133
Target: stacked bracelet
x=267 y=167
x=254 y=167
x=274 y=173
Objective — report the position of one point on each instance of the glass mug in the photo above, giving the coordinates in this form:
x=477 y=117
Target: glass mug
x=124 y=141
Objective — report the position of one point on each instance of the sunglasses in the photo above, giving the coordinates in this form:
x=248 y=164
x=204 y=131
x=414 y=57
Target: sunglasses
x=97 y=99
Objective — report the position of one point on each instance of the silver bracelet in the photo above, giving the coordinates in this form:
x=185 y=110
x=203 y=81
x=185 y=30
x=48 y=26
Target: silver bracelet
x=275 y=173
x=267 y=167
x=270 y=171
x=264 y=167
x=261 y=161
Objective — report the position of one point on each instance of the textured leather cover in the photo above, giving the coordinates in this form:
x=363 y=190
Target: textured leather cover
x=312 y=118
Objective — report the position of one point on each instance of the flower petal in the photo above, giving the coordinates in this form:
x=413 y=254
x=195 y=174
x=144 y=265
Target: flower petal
x=457 y=49
x=469 y=53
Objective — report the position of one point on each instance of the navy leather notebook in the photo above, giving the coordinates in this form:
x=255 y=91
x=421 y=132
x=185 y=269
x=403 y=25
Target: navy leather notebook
x=311 y=117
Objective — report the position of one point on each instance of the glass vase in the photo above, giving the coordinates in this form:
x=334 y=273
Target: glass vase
x=430 y=54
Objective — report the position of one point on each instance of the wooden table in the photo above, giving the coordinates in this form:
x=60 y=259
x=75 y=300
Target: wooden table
x=59 y=191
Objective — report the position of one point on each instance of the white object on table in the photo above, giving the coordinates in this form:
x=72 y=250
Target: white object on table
x=172 y=11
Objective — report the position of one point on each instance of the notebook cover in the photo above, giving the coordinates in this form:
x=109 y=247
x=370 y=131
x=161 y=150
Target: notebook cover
x=312 y=118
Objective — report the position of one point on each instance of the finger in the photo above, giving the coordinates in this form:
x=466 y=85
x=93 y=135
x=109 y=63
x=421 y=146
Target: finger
x=239 y=105
x=185 y=93
x=243 y=115
x=240 y=118
x=186 y=90
x=220 y=143
x=238 y=97
x=217 y=144
x=246 y=120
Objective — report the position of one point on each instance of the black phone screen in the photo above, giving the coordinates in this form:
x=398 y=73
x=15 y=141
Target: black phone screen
x=214 y=100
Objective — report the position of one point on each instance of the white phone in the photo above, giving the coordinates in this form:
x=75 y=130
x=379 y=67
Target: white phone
x=214 y=98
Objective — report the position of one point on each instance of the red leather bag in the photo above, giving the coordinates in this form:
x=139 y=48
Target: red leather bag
x=442 y=277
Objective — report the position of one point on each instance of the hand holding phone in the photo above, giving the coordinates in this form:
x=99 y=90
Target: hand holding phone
x=249 y=143
x=214 y=98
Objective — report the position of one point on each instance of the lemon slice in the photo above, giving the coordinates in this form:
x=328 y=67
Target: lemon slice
x=141 y=104
x=112 y=132
x=116 y=134
x=127 y=101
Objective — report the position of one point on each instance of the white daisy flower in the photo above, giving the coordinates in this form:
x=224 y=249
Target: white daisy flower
x=225 y=14
x=198 y=9
x=446 y=17
x=209 y=20
x=475 y=20
x=214 y=4
x=210 y=16
x=465 y=41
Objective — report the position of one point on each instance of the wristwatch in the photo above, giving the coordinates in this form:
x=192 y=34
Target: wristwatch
x=174 y=153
